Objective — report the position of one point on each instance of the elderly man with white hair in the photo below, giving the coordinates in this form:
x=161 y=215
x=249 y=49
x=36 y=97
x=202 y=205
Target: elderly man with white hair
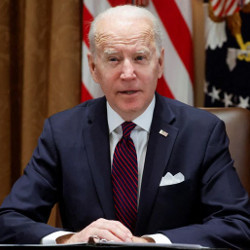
x=132 y=166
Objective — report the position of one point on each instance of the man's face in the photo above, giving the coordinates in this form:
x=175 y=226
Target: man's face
x=126 y=64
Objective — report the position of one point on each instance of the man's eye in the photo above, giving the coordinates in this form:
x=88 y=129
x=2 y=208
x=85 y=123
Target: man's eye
x=113 y=59
x=139 y=58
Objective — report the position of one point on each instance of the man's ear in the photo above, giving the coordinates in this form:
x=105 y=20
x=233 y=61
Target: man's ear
x=92 y=67
x=161 y=63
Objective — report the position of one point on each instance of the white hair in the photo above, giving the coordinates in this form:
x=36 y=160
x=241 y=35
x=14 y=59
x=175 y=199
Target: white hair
x=128 y=11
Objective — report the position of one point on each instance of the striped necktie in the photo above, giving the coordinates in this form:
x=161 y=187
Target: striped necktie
x=125 y=178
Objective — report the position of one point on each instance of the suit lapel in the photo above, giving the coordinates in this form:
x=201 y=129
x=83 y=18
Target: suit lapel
x=158 y=154
x=96 y=136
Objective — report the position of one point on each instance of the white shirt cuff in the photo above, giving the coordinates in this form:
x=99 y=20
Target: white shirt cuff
x=159 y=238
x=50 y=239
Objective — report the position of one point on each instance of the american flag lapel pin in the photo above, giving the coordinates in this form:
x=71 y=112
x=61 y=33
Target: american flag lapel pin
x=164 y=133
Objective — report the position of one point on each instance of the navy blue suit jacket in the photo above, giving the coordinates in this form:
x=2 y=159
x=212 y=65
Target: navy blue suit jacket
x=71 y=165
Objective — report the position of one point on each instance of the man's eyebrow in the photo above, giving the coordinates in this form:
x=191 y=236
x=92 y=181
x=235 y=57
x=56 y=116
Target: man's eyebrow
x=109 y=52
x=143 y=51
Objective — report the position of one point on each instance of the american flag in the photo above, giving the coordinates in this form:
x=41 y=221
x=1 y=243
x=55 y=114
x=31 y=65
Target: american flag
x=176 y=21
x=222 y=8
x=227 y=52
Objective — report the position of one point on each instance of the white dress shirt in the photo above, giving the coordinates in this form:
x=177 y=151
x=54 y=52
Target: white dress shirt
x=139 y=135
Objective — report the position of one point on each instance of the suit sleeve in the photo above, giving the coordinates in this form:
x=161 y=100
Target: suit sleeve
x=24 y=213
x=224 y=202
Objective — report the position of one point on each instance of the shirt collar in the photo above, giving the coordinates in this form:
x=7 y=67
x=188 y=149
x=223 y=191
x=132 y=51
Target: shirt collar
x=143 y=121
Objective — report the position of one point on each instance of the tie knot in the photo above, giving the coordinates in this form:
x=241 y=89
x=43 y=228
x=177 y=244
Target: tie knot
x=127 y=127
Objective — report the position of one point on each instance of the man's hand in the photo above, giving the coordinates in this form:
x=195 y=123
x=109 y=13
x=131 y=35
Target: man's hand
x=104 y=229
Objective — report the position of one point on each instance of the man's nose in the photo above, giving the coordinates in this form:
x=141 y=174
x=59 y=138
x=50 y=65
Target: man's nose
x=128 y=71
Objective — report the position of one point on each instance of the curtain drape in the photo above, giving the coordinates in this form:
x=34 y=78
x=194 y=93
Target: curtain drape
x=40 y=74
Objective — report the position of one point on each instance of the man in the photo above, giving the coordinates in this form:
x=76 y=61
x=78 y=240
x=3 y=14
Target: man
x=187 y=189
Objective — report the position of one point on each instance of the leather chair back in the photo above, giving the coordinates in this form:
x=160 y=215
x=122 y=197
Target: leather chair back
x=237 y=121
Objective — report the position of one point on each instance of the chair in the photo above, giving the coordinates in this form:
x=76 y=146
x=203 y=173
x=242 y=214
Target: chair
x=237 y=121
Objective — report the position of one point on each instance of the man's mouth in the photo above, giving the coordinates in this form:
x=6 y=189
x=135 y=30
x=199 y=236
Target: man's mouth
x=129 y=92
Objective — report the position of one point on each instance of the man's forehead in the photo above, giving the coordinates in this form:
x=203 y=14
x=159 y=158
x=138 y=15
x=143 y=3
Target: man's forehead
x=126 y=32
